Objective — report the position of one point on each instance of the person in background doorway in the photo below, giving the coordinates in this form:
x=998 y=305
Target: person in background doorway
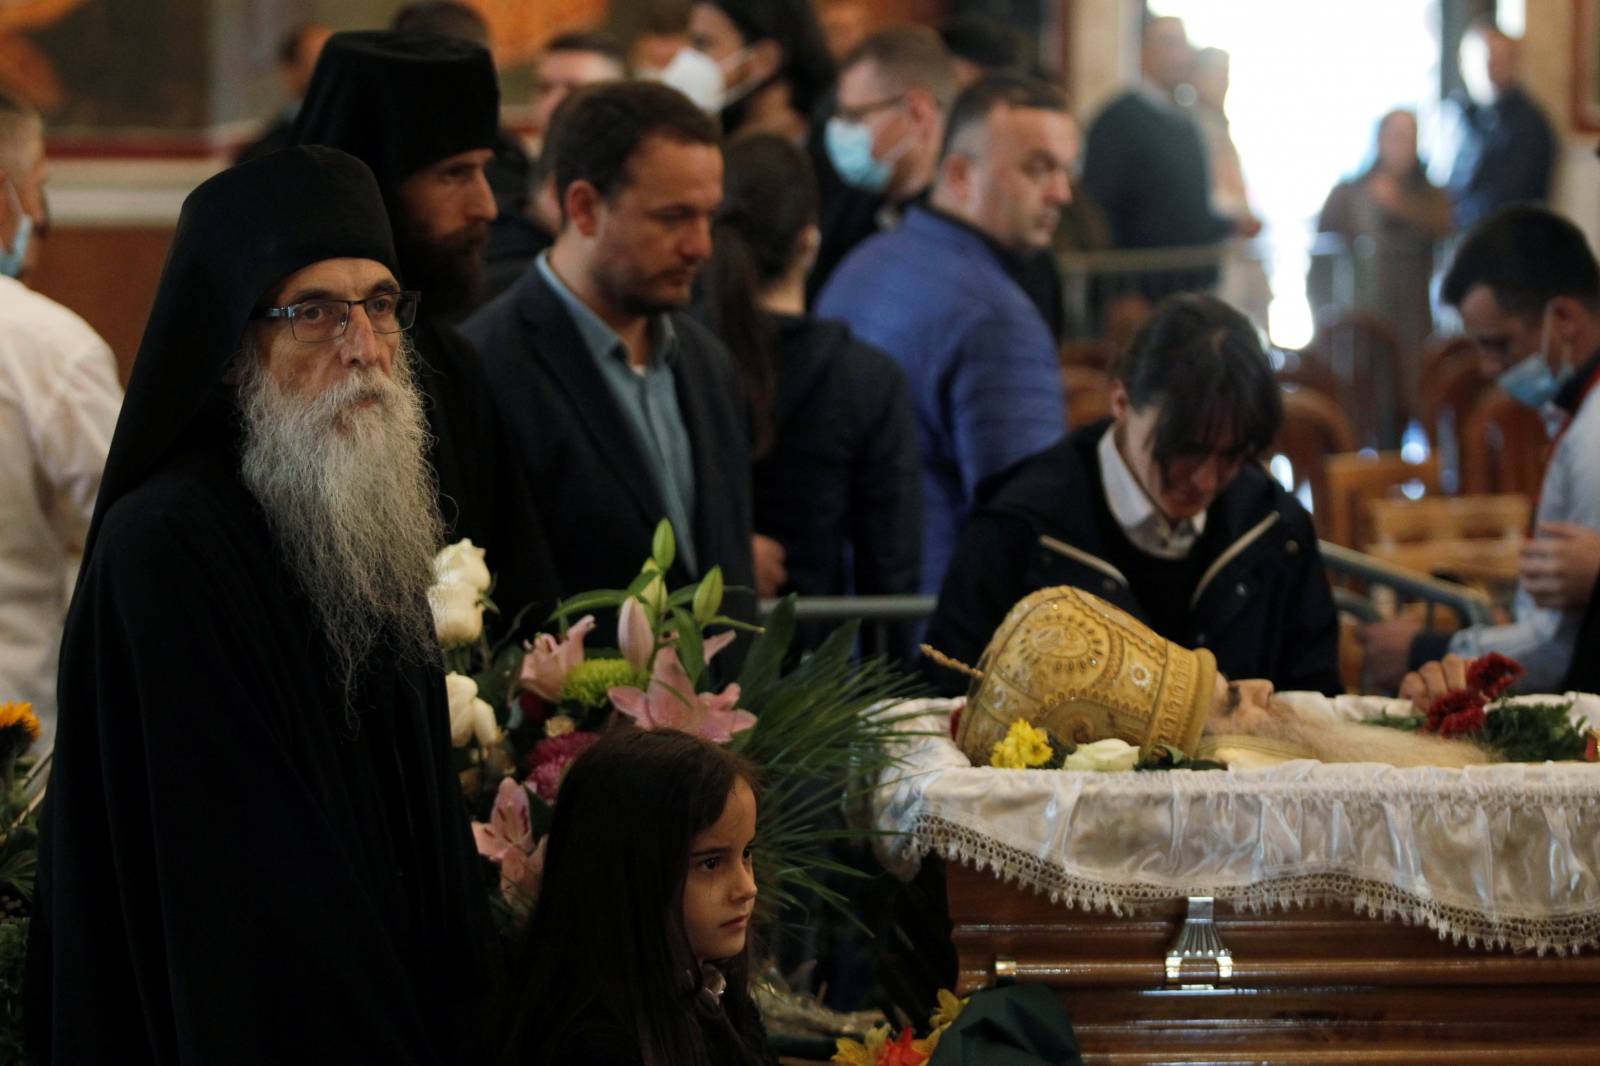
x=297 y=58
x=1389 y=220
x=1244 y=281
x=1507 y=151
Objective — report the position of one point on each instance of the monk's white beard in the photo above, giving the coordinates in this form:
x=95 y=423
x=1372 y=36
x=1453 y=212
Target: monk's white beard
x=1315 y=726
x=350 y=497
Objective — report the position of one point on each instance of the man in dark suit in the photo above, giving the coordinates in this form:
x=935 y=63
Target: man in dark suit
x=622 y=408
x=1145 y=165
x=1507 y=153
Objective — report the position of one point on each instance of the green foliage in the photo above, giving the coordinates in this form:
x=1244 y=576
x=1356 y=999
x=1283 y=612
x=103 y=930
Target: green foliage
x=1520 y=732
x=1534 y=732
x=822 y=747
x=1167 y=757
x=13 y=948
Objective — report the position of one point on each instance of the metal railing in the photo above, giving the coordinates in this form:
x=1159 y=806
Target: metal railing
x=1346 y=568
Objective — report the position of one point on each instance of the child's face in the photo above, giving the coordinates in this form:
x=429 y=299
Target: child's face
x=719 y=890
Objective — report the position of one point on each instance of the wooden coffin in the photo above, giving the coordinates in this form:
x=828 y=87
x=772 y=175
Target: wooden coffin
x=1314 y=985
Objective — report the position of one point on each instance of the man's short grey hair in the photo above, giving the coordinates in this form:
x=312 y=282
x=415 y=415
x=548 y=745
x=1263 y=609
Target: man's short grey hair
x=913 y=56
x=20 y=128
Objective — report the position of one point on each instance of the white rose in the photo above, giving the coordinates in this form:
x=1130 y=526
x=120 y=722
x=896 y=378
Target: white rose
x=457 y=614
x=484 y=727
x=462 y=692
x=462 y=564
x=1103 y=756
x=469 y=716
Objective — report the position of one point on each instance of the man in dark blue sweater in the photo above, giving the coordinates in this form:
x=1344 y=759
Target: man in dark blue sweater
x=1162 y=511
x=941 y=296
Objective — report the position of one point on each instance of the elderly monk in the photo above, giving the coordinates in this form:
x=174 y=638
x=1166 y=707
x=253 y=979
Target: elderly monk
x=252 y=849
x=1069 y=661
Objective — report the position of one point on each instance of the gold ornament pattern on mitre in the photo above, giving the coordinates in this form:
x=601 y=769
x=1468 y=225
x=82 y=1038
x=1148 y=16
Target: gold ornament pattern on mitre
x=1069 y=662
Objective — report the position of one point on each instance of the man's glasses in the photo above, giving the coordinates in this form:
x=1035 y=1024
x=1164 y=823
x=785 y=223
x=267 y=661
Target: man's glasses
x=324 y=320
x=859 y=114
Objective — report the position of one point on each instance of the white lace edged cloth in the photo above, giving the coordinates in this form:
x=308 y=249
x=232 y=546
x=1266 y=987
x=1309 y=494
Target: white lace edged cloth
x=1498 y=856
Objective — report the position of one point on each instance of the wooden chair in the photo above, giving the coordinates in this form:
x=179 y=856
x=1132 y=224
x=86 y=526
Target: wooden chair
x=1314 y=427
x=1354 y=479
x=1505 y=447
x=1088 y=394
x=1297 y=368
x=1366 y=360
x=1450 y=392
x=1443 y=350
x=1500 y=516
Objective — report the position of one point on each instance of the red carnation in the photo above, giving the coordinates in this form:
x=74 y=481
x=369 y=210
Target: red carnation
x=550 y=758
x=1591 y=748
x=1463 y=722
x=1490 y=675
x=1449 y=706
x=955 y=721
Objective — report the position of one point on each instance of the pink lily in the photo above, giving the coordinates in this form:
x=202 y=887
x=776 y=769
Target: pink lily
x=672 y=703
x=635 y=638
x=507 y=841
x=549 y=661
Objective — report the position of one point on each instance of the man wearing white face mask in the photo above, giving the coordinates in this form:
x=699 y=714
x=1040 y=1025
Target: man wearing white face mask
x=759 y=65
x=1528 y=290
x=59 y=399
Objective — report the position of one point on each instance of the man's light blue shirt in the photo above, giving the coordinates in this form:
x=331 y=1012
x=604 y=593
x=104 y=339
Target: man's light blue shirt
x=649 y=401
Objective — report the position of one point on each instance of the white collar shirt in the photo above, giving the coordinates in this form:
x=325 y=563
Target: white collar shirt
x=1139 y=518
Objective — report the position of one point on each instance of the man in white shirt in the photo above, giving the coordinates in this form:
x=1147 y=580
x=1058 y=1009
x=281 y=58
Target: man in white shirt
x=59 y=398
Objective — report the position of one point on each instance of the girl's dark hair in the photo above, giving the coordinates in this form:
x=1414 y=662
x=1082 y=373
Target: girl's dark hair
x=807 y=65
x=1201 y=361
x=606 y=938
x=769 y=197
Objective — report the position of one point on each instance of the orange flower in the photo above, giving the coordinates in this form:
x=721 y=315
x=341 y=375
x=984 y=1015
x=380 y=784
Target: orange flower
x=19 y=717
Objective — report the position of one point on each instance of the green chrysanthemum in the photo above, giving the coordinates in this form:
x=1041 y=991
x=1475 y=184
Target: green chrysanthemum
x=591 y=679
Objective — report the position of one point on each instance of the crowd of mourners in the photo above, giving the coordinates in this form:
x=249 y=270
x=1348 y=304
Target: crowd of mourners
x=785 y=282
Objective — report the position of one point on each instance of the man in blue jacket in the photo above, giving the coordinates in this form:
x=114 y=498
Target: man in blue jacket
x=940 y=294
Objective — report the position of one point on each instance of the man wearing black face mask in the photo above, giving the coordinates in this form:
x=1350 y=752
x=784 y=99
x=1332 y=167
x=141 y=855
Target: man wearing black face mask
x=423 y=112
x=1528 y=290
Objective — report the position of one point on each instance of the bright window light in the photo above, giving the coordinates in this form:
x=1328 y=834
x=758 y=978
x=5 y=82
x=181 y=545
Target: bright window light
x=1310 y=80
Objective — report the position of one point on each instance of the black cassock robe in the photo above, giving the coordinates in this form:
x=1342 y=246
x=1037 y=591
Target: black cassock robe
x=239 y=878
x=228 y=872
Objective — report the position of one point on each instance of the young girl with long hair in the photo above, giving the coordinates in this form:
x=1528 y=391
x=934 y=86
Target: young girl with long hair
x=637 y=952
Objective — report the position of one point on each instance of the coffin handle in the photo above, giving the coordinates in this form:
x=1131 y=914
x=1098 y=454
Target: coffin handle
x=1198 y=940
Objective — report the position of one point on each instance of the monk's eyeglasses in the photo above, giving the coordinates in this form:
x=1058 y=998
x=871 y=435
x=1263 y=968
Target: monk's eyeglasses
x=324 y=320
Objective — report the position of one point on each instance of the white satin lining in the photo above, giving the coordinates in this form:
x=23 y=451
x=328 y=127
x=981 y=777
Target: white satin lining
x=1505 y=855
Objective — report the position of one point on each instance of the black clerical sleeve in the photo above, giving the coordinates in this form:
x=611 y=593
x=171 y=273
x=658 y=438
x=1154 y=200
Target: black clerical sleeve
x=227 y=873
x=484 y=494
x=987 y=576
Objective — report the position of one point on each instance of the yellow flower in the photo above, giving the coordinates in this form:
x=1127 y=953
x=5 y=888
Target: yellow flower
x=854 y=1053
x=19 y=717
x=1024 y=746
x=948 y=1009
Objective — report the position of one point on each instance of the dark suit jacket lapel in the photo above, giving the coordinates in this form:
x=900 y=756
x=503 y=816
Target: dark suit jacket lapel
x=554 y=339
x=695 y=387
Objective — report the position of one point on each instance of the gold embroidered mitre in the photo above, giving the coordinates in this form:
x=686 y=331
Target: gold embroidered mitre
x=1071 y=663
